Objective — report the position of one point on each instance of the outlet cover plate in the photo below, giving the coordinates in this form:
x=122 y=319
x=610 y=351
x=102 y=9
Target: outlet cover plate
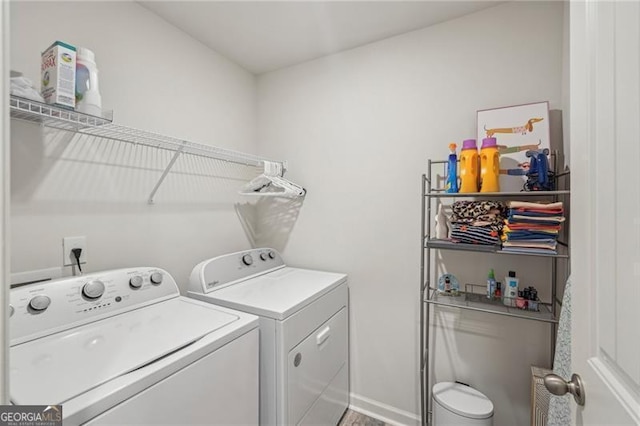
x=68 y=244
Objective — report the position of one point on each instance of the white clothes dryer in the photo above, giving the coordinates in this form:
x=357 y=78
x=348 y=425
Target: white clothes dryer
x=304 y=363
x=123 y=347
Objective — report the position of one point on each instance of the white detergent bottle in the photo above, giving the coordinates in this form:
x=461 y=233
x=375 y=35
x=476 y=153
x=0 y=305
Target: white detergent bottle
x=88 y=99
x=510 y=292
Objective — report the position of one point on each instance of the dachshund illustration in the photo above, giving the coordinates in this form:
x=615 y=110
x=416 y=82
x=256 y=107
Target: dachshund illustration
x=522 y=129
x=522 y=170
x=503 y=149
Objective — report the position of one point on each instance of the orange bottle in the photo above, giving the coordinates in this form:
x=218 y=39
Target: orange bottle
x=469 y=166
x=489 y=166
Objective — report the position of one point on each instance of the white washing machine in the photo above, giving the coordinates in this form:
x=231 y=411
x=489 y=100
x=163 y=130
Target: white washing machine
x=123 y=347
x=304 y=364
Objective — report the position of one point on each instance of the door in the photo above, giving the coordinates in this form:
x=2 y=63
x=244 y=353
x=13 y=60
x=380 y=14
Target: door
x=605 y=229
x=313 y=364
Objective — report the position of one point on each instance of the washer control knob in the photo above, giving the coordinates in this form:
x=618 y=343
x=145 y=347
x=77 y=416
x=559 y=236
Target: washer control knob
x=272 y=254
x=135 y=282
x=264 y=256
x=247 y=259
x=156 y=278
x=11 y=310
x=93 y=289
x=40 y=303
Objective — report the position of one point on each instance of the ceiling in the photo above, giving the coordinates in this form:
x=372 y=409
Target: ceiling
x=263 y=36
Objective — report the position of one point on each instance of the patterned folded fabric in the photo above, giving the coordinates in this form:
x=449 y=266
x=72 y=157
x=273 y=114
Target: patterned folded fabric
x=486 y=235
x=532 y=227
x=528 y=250
x=528 y=205
x=534 y=236
x=484 y=220
x=551 y=245
x=476 y=209
x=535 y=213
x=539 y=220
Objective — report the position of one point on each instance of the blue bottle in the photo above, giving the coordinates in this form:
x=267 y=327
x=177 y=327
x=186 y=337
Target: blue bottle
x=451 y=185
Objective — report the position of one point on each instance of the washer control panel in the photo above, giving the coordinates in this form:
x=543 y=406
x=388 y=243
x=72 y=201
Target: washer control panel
x=40 y=309
x=228 y=269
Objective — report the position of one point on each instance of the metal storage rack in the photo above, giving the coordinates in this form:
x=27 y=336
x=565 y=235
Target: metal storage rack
x=100 y=127
x=428 y=292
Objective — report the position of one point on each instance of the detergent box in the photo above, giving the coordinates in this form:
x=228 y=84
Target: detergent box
x=59 y=75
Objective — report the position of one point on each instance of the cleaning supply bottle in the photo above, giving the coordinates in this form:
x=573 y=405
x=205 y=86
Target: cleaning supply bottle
x=510 y=289
x=88 y=99
x=489 y=166
x=452 y=170
x=469 y=166
x=491 y=285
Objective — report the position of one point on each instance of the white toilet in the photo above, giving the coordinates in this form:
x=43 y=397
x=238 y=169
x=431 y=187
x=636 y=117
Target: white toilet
x=457 y=404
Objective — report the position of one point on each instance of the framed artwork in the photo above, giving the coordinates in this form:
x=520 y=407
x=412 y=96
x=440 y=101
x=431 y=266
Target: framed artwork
x=518 y=129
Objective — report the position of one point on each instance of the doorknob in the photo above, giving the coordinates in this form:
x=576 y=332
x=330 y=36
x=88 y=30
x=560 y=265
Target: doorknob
x=558 y=386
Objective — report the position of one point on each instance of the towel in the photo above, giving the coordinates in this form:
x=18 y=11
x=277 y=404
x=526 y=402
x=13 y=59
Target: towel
x=23 y=87
x=559 y=406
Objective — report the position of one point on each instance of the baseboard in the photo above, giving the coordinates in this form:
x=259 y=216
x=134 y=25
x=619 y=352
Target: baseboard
x=383 y=412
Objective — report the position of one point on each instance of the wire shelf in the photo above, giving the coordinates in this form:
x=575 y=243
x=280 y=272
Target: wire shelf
x=449 y=245
x=52 y=116
x=496 y=194
x=63 y=119
x=480 y=303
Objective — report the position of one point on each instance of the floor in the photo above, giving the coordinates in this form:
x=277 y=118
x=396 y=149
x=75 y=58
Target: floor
x=353 y=418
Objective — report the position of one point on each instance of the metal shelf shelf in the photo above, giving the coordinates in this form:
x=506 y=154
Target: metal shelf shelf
x=448 y=245
x=496 y=194
x=475 y=302
x=63 y=119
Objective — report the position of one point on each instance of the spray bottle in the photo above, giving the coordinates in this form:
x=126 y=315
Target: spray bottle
x=452 y=170
x=491 y=285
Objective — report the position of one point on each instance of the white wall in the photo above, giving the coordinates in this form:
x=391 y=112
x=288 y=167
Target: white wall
x=154 y=77
x=358 y=128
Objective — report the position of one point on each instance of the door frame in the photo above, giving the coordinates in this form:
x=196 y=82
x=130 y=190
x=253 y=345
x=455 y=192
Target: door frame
x=5 y=197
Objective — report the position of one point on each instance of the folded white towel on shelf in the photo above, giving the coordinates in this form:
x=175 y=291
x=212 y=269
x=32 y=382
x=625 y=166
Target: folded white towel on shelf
x=23 y=87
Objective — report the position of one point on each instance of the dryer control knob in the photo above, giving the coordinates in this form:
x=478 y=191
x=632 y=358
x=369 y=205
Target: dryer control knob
x=264 y=256
x=156 y=278
x=39 y=303
x=272 y=254
x=135 y=282
x=247 y=259
x=93 y=289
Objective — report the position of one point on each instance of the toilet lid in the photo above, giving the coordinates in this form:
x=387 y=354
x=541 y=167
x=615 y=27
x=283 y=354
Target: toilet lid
x=463 y=400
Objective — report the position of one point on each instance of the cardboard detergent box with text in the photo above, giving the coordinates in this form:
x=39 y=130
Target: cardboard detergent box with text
x=59 y=75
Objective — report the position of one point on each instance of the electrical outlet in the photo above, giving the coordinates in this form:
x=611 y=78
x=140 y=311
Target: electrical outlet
x=70 y=243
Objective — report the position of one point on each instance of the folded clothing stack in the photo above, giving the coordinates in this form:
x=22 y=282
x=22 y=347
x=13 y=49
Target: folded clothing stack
x=477 y=222
x=532 y=227
x=23 y=87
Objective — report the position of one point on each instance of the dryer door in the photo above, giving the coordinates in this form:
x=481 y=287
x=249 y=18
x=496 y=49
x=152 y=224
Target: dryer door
x=314 y=362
